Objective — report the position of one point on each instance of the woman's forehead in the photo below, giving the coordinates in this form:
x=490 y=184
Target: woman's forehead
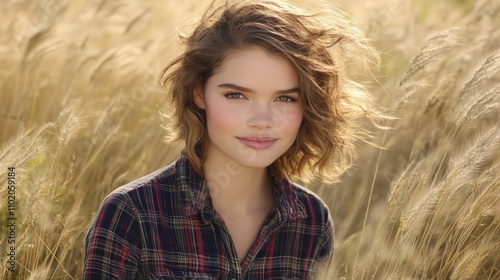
x=256 y=67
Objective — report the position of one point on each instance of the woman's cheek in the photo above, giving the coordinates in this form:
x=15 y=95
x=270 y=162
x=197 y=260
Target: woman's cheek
x=223 y=116
x=289 y=118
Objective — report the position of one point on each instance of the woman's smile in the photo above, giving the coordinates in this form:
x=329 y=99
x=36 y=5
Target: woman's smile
x=258 y=143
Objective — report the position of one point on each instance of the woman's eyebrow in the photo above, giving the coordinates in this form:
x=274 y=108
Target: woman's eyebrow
x=244 y=89
x=292 y=90
x=235 y=87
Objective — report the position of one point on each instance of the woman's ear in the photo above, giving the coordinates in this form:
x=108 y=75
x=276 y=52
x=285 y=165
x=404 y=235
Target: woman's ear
x=199 y=99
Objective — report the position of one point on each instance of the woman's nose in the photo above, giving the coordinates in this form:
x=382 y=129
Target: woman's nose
x=260 y=116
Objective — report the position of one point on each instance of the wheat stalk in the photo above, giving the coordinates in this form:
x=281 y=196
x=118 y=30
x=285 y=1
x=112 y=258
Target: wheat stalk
x=487 y=71
x=433 y=47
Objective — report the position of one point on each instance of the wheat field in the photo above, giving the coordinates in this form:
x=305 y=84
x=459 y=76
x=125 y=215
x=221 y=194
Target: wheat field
x=79 y=118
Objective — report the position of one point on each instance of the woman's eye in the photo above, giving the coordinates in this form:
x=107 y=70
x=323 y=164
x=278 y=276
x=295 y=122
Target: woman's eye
x=234 y=95
x=285 y=98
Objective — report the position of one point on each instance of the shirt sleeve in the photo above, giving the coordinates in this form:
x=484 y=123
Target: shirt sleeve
x=325 y=246
x=324 y=251
x=112 y=246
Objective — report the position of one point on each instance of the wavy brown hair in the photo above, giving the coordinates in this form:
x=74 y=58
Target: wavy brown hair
x=320 y=45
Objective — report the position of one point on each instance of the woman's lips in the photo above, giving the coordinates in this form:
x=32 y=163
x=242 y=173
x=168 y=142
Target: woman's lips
x=258 y=143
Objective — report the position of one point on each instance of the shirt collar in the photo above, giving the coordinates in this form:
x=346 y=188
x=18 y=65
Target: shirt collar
x=287 y=200
x=195 y=197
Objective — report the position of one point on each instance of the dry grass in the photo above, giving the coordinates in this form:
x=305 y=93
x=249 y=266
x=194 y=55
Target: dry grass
x=79 y=118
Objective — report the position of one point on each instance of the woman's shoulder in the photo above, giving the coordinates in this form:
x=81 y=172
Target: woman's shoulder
x=160 y=177
x=317 y=219
x=161 y=182
x=306 y=195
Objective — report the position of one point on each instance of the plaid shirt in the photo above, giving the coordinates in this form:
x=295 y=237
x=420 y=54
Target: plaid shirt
x=163 y=226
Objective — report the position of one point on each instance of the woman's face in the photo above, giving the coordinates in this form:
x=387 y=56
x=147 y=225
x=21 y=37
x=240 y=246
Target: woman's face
x=252 y=107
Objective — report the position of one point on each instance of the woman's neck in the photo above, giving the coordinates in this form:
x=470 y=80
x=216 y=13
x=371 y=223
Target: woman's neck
x=234 y=187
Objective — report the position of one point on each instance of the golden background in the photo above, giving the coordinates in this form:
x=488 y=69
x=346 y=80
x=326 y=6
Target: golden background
x=79 y=117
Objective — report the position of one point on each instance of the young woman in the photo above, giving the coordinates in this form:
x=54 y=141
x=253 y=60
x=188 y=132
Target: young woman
x=260 y=97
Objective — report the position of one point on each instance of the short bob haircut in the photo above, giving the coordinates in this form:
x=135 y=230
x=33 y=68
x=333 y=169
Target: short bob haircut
x=321 y=46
